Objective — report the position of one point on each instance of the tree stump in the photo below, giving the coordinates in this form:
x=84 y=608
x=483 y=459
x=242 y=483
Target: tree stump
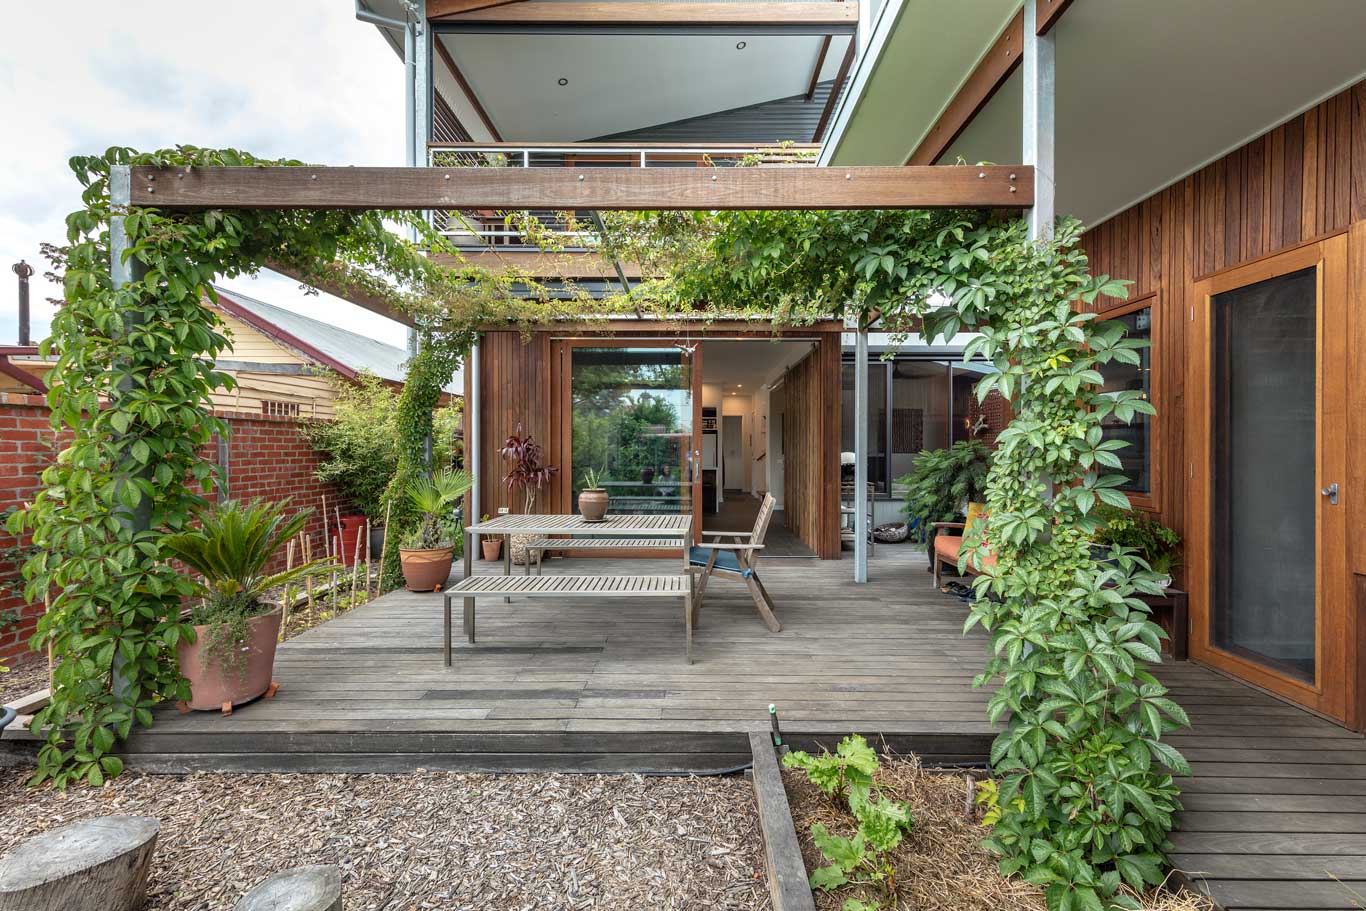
x=98 y=864
x=316 y=888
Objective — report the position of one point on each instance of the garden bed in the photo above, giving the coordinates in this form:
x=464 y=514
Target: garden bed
x=432 y=840
x=940 y=865
x=26 y=675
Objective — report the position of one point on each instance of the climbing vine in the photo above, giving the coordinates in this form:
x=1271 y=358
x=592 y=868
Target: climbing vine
x=1086 y=794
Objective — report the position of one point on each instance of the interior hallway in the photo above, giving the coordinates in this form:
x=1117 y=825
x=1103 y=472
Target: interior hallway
x=738 y=513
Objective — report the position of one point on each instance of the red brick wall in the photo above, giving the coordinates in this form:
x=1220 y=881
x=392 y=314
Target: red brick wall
x=266 y=457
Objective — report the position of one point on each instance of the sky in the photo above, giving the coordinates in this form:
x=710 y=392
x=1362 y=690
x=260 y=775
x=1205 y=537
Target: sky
x=299 y=79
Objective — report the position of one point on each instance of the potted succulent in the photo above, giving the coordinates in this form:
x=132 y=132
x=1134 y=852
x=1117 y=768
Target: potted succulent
x=492 y=545
x=425 y=553
x=592 y=498
x=232 y=657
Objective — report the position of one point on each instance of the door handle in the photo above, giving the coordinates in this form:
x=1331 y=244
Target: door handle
x=1331 y=492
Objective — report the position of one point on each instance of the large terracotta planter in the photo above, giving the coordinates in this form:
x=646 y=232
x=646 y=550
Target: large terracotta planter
x=425 y=570
x=593 y=504
x=214 y=687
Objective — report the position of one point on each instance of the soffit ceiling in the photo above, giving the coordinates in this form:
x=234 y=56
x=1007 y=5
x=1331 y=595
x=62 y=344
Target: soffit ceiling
x=744 y=366
x=620 y=82
x=1149 y=92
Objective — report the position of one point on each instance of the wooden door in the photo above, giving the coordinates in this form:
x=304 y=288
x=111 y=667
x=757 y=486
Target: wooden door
x=1266 y=547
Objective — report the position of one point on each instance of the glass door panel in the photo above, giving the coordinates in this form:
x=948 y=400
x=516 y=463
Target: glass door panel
x=1265 y=492
x=631 y=420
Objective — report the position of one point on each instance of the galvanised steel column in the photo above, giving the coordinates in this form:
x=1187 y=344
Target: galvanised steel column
x=860 y=497
x=1038 y=70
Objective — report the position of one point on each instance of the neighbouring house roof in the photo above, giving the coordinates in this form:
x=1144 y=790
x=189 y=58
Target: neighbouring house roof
x=348 y=353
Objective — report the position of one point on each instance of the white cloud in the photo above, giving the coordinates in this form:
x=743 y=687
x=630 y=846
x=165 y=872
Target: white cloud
x=299 y=79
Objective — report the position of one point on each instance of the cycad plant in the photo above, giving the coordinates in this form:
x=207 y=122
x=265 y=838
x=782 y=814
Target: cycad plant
x=434 y=498
x=230 y=551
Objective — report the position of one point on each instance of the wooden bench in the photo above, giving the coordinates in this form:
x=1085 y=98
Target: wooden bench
x=536 y=547
x=666 y=586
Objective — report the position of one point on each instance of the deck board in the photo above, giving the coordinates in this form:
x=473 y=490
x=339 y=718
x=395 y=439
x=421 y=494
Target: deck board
x=1276 y=809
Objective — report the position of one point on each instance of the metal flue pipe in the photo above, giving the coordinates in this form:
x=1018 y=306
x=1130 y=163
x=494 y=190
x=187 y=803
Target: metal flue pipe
x=24 y=271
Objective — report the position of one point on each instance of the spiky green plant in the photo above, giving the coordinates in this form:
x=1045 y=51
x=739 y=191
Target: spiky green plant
x=433 y=497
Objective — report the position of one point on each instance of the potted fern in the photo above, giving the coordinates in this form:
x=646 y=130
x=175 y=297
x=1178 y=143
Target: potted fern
x=232 y=657
x=426 y=552
x=593 y=497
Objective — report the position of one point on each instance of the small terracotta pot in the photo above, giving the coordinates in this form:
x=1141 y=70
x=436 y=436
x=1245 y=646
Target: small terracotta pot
x=425 y=570
x=493 y=548
x=213 y=687
x=593 y=504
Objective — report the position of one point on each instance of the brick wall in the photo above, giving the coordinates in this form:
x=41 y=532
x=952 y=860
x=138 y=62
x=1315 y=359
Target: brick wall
x=266 y=457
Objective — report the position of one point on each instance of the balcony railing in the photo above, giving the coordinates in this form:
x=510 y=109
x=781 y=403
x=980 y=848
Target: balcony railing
x=488 y=228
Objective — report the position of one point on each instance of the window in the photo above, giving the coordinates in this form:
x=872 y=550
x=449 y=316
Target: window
x=914 y=405
x=1135 y=458
x=278 y=408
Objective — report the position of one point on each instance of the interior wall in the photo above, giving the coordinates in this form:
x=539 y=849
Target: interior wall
x=1303 y=181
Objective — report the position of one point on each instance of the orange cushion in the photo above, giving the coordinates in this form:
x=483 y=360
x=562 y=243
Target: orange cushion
x=947 y=547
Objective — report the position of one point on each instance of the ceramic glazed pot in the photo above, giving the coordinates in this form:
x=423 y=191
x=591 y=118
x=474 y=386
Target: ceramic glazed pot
x=212 y=687
x=493 y=548
x=593 y=504
x=425 y=570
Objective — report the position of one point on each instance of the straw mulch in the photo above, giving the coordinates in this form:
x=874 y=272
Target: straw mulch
x=941 y=865
x=432 y=840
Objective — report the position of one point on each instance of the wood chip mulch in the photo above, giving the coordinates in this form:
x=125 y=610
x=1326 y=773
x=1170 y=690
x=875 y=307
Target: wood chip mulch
x=941 y=865
x=432 y=840
x=26 y=675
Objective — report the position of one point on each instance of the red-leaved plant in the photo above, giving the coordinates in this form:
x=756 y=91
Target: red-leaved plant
x=528 y=472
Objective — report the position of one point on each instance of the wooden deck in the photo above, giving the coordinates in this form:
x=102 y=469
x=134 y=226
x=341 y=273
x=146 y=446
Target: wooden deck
x=1275 y=813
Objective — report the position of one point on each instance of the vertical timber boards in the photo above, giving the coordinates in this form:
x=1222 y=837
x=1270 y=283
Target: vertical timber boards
x=811 y=423
x=514 y=387
x=1301 y=182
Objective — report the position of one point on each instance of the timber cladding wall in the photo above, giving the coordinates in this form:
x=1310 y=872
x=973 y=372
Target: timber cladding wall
x=1304 y=180
x=266 y=457
x=514 y=388
x=811 y=424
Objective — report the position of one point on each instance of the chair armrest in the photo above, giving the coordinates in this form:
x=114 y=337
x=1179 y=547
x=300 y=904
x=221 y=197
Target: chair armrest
x=733 y=546
x=725 y=534
x=941 y=525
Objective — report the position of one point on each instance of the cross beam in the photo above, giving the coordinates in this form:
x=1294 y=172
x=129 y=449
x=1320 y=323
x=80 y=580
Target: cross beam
x=906 y=187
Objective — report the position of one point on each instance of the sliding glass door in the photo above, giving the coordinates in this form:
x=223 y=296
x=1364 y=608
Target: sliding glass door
x=632 y=420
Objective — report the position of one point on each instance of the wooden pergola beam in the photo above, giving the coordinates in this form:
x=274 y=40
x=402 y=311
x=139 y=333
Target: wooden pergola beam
x=1047 y=13
x=841 y=14
x=587 y=189
x=990 y=74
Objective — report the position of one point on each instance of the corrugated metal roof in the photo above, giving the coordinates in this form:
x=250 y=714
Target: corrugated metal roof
x=791 y=119
x=356 y=351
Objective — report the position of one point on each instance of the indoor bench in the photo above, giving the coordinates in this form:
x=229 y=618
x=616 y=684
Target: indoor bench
x=536 y=547
x=678 y=586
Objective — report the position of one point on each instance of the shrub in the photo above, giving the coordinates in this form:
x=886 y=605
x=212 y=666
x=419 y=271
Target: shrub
x=1157 y=544
x=943 y=482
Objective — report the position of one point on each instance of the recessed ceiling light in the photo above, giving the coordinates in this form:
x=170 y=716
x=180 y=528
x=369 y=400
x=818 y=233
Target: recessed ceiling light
x=563 y=81
x=740 y=45
x=739 y=385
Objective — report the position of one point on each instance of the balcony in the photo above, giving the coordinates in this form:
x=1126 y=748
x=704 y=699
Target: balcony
x=576 y=231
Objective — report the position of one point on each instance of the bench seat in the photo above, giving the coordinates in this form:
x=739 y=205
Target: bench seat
x=602 y=586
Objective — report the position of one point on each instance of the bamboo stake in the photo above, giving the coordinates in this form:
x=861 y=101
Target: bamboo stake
x=287 y=597
x=366 y=551
x=306 y=542
x=355 y=570
x=51 y=658
x=383 y=551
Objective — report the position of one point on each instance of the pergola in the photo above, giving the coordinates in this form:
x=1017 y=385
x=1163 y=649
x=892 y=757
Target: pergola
x=1027 y=187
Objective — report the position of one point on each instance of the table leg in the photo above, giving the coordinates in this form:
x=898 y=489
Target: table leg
x=446 y=626
x=469 y=571
x=687 y=616
x=507 y=560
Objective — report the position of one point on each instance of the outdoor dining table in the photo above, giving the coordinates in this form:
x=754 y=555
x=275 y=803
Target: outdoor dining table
x=664 y=526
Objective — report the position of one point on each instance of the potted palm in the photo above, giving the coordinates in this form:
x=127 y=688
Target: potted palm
x=592 y=498
x=426 y=552
x=232 y=657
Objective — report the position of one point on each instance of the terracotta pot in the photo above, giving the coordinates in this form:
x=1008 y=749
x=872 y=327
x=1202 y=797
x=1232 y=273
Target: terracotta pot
x=214 y=686
x=593 y=504
x=425 y=570
x=493 y=549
